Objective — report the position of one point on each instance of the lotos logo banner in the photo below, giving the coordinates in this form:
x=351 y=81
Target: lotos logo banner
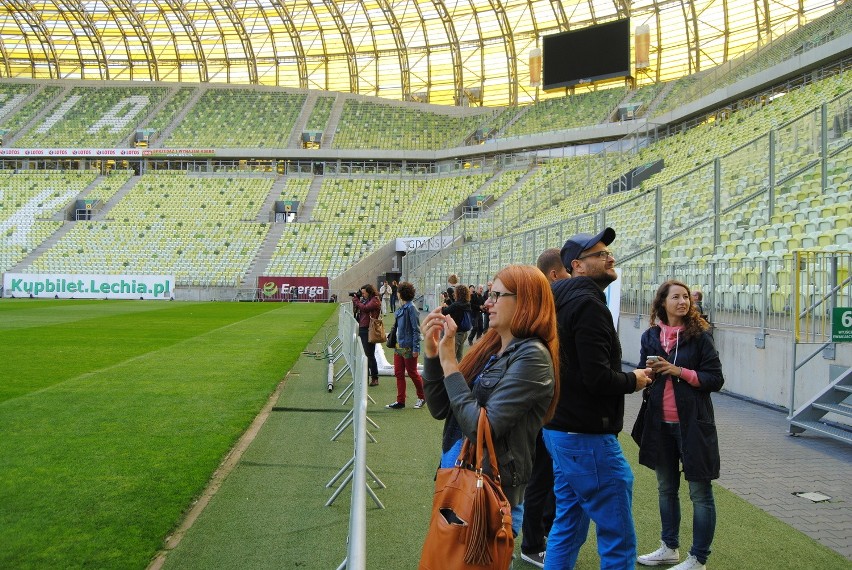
x=67 y=286
x=308 y=289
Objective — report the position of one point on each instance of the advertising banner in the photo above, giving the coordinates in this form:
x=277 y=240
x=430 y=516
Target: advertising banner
x=286 y=289
x=105 y=152
x=71 y=286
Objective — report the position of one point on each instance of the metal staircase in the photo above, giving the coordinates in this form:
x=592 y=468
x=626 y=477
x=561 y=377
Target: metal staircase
x=811 y=416
x=820 y=283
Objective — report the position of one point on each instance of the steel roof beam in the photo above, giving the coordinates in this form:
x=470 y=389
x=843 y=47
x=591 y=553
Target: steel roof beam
x=511 y=56
x=348 y=46
x=251 y=60
x=73 y=9
x=176 y=8
x=455 y=50
x=141 y=32
x=23 y=12
x=396 y=30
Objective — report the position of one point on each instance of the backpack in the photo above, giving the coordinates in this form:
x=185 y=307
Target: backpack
x=466 y=323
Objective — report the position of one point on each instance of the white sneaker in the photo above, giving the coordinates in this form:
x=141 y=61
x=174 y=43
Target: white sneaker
x=419 y=403
x=691 y=563
x=663 y=555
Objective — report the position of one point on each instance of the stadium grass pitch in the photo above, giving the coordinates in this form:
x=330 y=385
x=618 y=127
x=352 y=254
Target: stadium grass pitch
x=114 y=414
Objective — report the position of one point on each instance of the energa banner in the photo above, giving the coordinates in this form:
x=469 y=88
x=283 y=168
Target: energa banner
x=70 y=286
x=278 y=288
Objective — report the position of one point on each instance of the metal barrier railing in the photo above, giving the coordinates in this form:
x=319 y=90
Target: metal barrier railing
x=356 y=363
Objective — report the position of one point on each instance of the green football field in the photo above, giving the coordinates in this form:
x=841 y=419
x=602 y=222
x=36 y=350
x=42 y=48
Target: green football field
x=114 y=414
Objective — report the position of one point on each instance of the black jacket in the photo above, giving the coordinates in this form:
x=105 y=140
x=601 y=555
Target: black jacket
x=694 y=409
x=515 y=389
x=592 y=389
x=456 y=310
x=476 y=302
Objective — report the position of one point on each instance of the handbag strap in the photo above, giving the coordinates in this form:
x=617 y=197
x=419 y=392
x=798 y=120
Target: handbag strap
x=474 y=458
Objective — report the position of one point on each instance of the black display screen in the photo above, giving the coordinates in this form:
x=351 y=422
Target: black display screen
x=587 y=55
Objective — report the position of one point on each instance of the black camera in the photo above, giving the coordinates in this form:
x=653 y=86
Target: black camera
x=354 y=294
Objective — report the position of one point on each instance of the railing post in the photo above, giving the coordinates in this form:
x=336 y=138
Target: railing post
x=823 y=147
x=771 y=193
x=760 y=339
x=717 y=201
x=794 y=333
x=658 y=230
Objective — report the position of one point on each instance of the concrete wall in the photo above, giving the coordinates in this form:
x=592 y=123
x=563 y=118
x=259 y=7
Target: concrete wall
x=365 y=271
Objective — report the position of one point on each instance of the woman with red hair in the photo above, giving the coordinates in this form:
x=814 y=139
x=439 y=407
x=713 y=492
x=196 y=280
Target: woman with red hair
x=512 y=372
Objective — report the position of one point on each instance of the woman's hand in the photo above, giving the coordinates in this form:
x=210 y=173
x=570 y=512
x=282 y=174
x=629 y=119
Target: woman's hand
x=662 y=367
x=447 y=347
x=431 y=328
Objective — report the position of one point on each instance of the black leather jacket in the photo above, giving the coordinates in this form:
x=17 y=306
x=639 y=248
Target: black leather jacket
x=515 y=388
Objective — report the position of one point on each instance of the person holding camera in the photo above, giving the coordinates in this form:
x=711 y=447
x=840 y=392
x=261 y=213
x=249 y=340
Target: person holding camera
x=512 y=372
x=367 y=304
x=679 y=422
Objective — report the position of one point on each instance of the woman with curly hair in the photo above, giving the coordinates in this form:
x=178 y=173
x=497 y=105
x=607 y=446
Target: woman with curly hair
x=680 y=426
x=407 y=348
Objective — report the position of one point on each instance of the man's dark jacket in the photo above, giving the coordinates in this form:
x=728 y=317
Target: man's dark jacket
x=592 y=386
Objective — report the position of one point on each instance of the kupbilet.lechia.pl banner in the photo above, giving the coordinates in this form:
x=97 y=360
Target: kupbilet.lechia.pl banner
x=70 y=286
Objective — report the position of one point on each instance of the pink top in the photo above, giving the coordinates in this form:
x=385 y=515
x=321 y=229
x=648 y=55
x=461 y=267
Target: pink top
x=668 y=338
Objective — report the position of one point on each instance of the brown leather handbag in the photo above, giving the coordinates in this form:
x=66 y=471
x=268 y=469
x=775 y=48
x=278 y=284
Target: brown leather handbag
x=376 y=332
x=471 y=524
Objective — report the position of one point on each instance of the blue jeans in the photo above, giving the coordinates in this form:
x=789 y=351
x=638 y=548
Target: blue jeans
x=592 y=481
x=700 y=492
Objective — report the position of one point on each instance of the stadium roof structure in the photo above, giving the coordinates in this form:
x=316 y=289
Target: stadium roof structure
x=451 y=52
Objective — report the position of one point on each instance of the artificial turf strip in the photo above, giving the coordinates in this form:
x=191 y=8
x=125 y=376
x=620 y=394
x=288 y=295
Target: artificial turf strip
x=114 y=414
x=269 y=513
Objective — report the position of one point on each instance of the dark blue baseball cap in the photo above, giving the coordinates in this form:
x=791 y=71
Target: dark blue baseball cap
x=577 y=244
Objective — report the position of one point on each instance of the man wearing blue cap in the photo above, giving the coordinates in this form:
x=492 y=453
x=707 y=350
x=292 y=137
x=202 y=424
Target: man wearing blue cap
x=592 y=480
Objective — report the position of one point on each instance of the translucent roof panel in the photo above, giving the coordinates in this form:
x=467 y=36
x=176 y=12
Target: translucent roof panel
x=438 y=51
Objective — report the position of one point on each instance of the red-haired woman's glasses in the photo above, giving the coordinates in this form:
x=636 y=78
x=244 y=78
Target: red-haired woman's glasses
x=495 y=295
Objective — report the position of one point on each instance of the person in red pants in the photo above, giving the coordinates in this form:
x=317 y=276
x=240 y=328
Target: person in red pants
x=407 y=348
